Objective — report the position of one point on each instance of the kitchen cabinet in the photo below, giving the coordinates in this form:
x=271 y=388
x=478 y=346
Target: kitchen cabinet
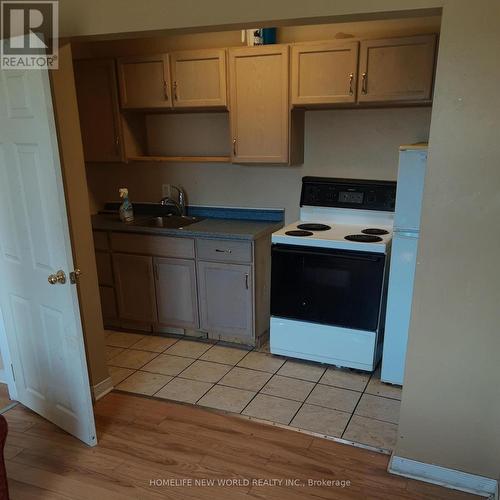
x=226 y=300
x=144 y=82
x=259 y=106
x=220 y=287
x=324 y=73
x=135 y=287
x=108 y=306
x=98 y=108
x=176 y=293
x=199 y=78
x=396 y=69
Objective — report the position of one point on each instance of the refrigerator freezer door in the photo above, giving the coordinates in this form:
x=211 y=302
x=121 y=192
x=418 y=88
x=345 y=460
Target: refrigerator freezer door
x=399 y=302
x=411 y=175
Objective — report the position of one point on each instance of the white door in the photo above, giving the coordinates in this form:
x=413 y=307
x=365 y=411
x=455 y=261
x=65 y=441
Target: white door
x=41 y=320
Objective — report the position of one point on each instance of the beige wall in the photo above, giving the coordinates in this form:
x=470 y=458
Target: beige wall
x=344 y=143
x=70 y=146
x=451 y=401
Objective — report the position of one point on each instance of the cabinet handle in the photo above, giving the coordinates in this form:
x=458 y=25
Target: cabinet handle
x=363 y=84
x=351 y=77
x=165 y=90
x=175 y=91
x=234 y=147
x=117 y=144
x=223 y=251
x=246 y=281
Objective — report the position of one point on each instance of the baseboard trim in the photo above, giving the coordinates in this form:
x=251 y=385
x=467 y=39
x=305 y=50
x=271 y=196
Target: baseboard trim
x=449 y=478
x=102 y=388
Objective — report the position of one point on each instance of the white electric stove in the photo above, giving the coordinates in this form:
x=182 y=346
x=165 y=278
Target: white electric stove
x=329 y=273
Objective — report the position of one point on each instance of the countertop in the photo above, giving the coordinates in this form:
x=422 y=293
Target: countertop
x=212 y=228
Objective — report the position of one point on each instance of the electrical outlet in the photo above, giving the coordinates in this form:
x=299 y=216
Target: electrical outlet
x=165 y=190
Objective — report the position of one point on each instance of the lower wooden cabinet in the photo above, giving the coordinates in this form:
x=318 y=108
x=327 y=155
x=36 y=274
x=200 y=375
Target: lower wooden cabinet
x=226 y=300
x=108 y=306
x=176 y=294
x=135 y=287
x=218 y=286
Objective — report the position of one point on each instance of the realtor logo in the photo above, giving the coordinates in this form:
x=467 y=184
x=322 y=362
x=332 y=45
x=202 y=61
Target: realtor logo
x=29 y=34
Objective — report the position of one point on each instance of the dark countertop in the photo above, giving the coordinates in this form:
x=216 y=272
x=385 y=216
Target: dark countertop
x=212 y=228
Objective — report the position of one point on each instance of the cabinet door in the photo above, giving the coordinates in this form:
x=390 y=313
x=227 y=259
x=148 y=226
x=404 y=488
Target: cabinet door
x=108 y=306
x=96 y=90
x=324 y=73
x=226 y=299
x=176 y=295
x=144 y=82
x=135 y=288
x=199 y=78
x=396 y=69
x=259 y=112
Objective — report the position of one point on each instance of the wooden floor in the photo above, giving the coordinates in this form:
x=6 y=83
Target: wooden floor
x=4 y=397
x=142 y=440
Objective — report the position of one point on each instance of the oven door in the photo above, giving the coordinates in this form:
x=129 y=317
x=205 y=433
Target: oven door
x=328 y=286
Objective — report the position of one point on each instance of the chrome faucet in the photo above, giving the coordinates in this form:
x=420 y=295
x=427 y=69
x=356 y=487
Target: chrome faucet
x=179 y=204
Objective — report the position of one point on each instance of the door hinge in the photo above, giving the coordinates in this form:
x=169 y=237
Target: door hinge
x=74 y=276
x=13 y=374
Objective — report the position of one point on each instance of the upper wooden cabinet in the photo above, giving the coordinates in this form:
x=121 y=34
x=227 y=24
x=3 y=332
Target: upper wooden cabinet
x=97 y=95
x=198 y=78
x=144 y=82
x=259 y=110
x=396 y=69
x=324 y=73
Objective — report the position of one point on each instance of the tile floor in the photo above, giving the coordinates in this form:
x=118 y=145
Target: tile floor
x=341 y=403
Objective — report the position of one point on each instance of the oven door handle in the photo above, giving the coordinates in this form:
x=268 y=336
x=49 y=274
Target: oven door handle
x=328 y=254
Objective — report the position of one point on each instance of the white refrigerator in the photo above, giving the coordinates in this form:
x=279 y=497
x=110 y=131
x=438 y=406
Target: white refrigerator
x=411 y=174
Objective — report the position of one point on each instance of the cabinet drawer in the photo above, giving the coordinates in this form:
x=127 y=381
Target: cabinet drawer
x=224 y=250
x=100 y=240
x=161 y=246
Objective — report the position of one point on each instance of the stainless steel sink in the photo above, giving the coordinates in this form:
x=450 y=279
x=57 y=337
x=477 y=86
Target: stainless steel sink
x=169 y=221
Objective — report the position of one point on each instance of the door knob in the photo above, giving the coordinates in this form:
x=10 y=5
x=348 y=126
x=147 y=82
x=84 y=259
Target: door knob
x=58 y=277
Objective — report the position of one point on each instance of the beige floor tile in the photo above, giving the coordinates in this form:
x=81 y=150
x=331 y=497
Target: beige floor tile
x=271 y=408
x=302 y=370
x=167 y=365
x=379 y=388
x=372 y=432
x=144 y=383
x=380 y=408
x=181 y=389
x=189 y=348
x=154 y=343
x=205 y=371
x=225 y=354
x=118 y=374
x=111 y=351
x=261 y=361
x=243 y=378
x=122 y=339
x=289 y=388
x=131 y=358
x=226 y=398
x=323 y=420
x=346 y=379
x=334 y=398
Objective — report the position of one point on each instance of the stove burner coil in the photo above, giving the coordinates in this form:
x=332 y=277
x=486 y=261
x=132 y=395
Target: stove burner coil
x=298 y=233
x=363 y=238
x=375 y=231
x=312 y=226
